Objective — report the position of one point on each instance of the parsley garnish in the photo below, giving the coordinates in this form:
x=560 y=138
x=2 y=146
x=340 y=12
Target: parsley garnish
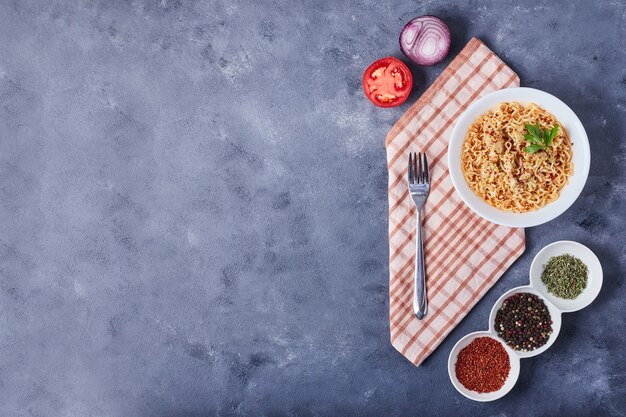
x=539 y=139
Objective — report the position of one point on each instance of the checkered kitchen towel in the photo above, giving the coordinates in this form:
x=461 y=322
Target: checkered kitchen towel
x=465 y=254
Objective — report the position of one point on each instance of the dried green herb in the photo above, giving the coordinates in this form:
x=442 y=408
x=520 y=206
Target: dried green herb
x=565 y=276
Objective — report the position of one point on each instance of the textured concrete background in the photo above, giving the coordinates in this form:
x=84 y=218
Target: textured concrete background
x=193 y=208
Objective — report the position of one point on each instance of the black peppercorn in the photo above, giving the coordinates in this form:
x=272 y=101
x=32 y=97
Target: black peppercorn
x=523 y=322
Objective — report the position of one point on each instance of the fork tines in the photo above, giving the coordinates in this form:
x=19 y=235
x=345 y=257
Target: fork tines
x=418 y=168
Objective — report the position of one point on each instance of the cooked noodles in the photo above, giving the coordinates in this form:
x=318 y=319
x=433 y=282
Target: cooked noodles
x=497 y=168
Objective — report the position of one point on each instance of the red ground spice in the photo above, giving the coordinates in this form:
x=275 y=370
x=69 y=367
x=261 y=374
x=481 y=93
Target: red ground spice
x=483 y=365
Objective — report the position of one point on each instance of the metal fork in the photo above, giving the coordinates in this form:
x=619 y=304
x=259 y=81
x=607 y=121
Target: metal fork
x=419 y=188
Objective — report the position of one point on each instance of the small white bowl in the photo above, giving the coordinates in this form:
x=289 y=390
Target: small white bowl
x=488 y=396
x=594 y=282
x=580 y=149
x=555 y=316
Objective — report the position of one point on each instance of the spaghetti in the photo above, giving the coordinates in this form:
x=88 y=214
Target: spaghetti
x=497 y=168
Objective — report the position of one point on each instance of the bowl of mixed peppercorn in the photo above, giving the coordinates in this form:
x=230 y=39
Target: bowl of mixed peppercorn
x=524 y=320
x=568 y=274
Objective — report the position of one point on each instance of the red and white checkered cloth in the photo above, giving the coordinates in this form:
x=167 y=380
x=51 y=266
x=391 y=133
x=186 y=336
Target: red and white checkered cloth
x=465 y=254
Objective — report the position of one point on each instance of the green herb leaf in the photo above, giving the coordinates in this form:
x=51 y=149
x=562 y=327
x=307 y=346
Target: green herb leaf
x=534 y=130
x=553 y=133
x=532 y=139
x=533 y=148
x=539 y=139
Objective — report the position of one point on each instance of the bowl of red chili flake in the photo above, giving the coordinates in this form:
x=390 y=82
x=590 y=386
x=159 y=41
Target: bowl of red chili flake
x=482 y=368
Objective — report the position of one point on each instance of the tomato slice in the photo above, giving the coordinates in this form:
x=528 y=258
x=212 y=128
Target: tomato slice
x=387 y=82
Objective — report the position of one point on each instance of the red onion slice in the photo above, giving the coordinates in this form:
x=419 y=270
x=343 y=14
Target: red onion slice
x=425 y=40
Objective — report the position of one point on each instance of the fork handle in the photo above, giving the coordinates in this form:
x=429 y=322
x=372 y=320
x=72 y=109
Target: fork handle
x=419 y=296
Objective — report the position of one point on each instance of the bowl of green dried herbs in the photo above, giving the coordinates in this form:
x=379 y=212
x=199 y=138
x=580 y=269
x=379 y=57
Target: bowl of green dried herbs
x=568 y=274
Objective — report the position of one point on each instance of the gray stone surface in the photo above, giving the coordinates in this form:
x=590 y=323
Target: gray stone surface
x=193 y=208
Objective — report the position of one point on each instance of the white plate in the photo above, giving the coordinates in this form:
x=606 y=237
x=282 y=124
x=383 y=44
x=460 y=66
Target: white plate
x=580 y=148
x=488 y=396
x=594 y=282
x=555 y=315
